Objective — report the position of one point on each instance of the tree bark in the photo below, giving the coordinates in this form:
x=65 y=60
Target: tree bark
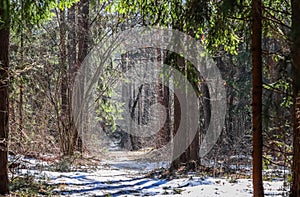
x=83 y=32
x=179 y=118
x=71 y=46
x=163 y=136
x=83 y=29
x=256 y=27
x=64 y=136
x=295 y=189
x=176 y=144
x=72 y=43
x=4 y=105
x=21 y=87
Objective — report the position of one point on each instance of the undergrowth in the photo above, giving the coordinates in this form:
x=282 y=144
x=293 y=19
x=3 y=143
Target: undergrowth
x=27 y=186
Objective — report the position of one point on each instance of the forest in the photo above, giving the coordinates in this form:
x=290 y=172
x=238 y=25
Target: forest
x=150 y=98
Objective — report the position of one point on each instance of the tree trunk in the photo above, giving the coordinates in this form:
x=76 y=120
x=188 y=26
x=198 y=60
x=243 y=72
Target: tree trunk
x=194 y=149
x=64 y=136
x=179 y=118
x=83 y=32
x=257 y=97
x=83 y=29
x=134 y=113
x=21 y=87
x=163 y=136
x=71 y=46
x=295 y=189
x=4 y=105
x=176 y=144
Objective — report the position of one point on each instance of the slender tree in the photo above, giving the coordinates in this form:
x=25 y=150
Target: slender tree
x=83 y=29
x=295 y=189
x=4 y=84
x=72 y=62
x=164 y=133
x=69 y=68
x=64 y=135
x=69 y=34
x=257 y=97
x=83 y=40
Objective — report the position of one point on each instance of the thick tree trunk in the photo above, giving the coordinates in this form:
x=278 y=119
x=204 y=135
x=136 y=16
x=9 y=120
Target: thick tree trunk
x=194 y=150
x=193 y=138
x=179 y=119
x=257 y=97
x=4 y=84
x=295 y=189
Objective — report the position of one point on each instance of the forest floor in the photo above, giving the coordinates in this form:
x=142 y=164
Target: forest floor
x=121 y=174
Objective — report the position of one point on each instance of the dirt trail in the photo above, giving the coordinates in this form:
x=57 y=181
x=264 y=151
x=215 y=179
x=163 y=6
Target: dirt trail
x=123 y=155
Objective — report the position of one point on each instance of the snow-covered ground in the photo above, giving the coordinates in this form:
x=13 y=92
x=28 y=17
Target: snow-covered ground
x=128 y=178
x=102 y=183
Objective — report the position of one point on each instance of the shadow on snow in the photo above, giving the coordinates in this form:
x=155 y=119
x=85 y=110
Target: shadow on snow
x=124 y=186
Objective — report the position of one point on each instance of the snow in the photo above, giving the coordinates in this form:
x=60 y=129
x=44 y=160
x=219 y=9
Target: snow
x=141 y=166
x=242 y=187
x=79 y=184
x=128 y=178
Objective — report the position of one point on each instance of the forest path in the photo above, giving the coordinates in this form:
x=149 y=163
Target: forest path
x=124 y=173
x=136 y=161
x=120 y=173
